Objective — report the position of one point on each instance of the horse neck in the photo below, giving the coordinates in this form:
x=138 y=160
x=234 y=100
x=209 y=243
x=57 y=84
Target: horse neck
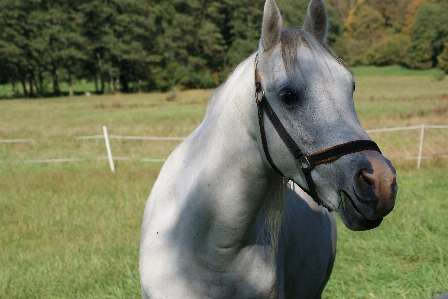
x=239 y=183
x=231 y=119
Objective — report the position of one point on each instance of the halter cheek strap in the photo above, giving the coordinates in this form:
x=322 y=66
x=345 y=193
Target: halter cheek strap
x=307 y=162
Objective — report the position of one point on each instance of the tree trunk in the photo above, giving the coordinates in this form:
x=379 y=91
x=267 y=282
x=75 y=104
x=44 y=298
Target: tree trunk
x=25 y=91
x=70 y=87
x=136 y=86
x=124 y=83
x=96 y=82
x=41 y=83
x=111 y=82
x=117 y=82
x=54 y=72
x=30 y=80
x=98 y=57
x=102 y=83
x=13 y=91
x=34 y=83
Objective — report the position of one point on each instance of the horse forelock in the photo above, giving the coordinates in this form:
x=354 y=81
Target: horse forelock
x=292 y=39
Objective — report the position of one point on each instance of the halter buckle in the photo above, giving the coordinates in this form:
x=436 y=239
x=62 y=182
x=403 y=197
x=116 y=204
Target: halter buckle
x=305 y=163
x=259 y=89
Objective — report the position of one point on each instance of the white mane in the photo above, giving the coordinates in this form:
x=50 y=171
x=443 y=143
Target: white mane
x=274 y=211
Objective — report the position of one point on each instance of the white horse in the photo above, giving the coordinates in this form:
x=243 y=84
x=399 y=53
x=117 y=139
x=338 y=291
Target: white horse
x=222 y=220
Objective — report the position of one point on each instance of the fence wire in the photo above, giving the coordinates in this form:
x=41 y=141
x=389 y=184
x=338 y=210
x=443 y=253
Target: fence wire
x=418 y=143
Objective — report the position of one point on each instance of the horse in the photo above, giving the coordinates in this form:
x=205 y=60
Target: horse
x=245 y=206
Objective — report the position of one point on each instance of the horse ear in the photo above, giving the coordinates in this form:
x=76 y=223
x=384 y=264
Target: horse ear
x=272 y=25
x=316 y=21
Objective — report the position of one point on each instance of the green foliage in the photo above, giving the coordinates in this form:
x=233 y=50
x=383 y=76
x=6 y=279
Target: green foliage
x=335 y=26
x=374 y=33
x=364 y=28
x=429 y=33
x=391 y=10
x=443 y=58
x=133 y=45
x=293 y=12
x=366 y=24
x=124 y=43
x=389 y=51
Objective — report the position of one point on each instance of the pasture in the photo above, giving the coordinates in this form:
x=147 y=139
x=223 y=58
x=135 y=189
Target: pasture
x=71 y=230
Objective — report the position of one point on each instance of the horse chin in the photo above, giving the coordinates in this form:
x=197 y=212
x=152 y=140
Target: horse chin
x=352 y=217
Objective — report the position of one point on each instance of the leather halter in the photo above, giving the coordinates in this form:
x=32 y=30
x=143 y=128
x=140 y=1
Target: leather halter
x=307 y=162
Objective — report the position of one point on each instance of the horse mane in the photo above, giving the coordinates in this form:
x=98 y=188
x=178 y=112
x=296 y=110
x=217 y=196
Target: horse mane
x=292 y=39
x=274 y=211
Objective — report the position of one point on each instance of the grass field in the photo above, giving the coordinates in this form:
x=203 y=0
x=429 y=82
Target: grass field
x=71 y=230
x=391 y=71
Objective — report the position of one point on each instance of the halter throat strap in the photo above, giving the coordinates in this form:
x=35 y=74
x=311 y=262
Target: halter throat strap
x=307 y=162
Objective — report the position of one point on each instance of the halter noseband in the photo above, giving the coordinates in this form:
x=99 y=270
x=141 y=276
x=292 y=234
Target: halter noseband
x=307 y=162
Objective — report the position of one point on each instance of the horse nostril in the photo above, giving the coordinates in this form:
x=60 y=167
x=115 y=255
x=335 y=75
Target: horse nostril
x=375 y=187
x=365 y=185
x=366 y=180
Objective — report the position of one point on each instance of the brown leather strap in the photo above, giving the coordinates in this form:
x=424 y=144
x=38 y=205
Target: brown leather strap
x=340 y=150
x=287 y=139
x=263 y=138
x=328 y=155
x=307 y=162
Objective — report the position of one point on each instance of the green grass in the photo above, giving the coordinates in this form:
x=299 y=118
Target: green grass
x=78 y=88
x=406 y=256
x=390 y=71
x=71 y=230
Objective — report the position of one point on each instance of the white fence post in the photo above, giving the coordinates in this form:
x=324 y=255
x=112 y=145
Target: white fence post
x=109 y=153
x=420 y=149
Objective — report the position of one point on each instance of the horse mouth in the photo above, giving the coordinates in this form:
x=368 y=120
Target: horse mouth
x=352 y=217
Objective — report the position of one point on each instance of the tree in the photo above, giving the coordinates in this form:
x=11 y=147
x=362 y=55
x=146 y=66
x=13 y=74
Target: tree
x=343 y=7
x=389 y=9
x=428 y=35
x=98 y=16
x=443 y=58
x=133 y=49
x=364 y=28
x=389 y=51
x=293 y=12
x=124 y=43
x=242 y=23
x=65 y=43
x=410 y=15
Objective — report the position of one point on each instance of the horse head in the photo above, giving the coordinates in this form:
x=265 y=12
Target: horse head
x=309 y=130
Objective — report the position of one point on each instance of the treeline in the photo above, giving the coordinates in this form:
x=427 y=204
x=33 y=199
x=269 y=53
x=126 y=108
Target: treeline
x=412 y=33
x=130 y=45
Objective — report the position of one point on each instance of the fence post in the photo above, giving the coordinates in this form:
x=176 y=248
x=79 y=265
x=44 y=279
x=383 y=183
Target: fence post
x=109 y=153
x=420 y=149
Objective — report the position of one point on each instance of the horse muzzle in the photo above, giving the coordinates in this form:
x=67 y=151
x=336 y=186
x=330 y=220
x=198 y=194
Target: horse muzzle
x=372 y=195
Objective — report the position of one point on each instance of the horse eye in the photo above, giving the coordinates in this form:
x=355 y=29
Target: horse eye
x=288 y=97
x=354 y=86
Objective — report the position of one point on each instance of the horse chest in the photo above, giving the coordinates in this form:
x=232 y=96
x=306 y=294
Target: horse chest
x=248 y=274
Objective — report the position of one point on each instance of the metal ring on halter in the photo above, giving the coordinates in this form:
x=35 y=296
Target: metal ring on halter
x=259 y=102
x=305 y=163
